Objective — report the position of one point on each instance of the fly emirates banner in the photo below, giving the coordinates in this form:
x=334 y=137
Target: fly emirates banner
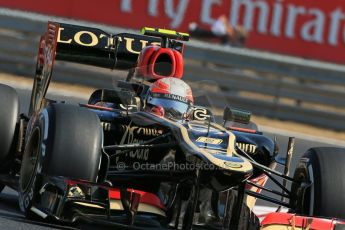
x=313 y=29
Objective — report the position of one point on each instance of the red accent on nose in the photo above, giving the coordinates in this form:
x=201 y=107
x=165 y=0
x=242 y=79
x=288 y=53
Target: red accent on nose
x=158 y=110
x=243 y=129
x=98 y=107
x=146 y=197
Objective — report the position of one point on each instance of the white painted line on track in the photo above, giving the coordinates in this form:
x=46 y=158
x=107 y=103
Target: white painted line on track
x=61 y=89
x=302 y=136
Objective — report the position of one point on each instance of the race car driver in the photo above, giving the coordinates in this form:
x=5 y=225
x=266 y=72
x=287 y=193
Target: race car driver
x=169 y=97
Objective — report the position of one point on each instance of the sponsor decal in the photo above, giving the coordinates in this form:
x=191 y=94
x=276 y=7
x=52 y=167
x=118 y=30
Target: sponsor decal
x=88 y=35
x=248 y=148
x=93 y=39
x=129 y=44
x=138 y=130
x=209 y=140
x=106 y=126
x=201 y=114
x=130 y=136
x=170 y=96
x=232 y=164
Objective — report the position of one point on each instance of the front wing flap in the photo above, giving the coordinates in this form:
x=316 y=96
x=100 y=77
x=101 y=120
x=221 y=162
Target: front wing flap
x=278 y=220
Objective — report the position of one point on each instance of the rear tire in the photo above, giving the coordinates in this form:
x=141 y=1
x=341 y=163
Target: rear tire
x=324 y=169
x=9 y=110
x=65 y=140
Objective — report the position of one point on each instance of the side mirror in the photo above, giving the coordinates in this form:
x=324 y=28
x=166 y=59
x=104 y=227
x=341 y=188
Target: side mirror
x=116 y=96
x=236 y=115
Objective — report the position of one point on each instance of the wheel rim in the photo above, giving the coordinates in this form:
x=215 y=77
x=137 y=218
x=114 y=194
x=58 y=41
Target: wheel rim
x=29 y=162
x=301 y=193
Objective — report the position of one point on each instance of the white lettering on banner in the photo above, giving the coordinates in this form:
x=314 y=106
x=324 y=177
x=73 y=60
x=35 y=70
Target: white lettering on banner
x=178 y=15
x=336 y=16
x=277 y=18
x=293 y=12
x=313 y=30
x=126 y=6
x=152 y=8
x=250 y=8
x=206 y=11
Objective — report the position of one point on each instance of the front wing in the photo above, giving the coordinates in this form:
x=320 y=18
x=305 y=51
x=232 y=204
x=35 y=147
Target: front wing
x=74 y=201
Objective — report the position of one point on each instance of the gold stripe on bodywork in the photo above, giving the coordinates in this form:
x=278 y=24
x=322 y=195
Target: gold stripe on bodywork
x=232 y=138
x=246 y=165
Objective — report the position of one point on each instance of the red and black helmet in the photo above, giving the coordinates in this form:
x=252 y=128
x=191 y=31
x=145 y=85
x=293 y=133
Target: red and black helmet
x=170 y=96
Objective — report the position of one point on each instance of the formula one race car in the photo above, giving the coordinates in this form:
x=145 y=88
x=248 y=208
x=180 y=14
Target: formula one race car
x=143 y=155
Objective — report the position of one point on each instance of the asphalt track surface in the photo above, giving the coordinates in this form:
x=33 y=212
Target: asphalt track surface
x=12 y=218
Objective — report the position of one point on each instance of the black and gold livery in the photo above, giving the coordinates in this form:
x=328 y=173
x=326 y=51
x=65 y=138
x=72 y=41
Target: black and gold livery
x=70 y=158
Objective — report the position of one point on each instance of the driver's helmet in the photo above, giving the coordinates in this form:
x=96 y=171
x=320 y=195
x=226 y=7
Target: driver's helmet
x=170 y=97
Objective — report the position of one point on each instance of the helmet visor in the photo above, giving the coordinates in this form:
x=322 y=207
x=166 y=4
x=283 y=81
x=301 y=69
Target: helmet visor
x=173 y=108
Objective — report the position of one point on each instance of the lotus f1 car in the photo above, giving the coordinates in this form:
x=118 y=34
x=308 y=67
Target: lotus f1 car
x=142 y=155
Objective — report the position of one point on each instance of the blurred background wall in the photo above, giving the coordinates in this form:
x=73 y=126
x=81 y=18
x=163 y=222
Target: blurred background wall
x=289 y=68
x=308 y=28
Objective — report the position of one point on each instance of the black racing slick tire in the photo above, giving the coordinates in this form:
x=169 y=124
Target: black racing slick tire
x=65 y=140
x=9 y=110
x=321 y=172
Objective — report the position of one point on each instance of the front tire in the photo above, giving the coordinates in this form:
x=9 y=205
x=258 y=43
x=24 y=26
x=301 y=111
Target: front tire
x=322 y=172
x=65 y=140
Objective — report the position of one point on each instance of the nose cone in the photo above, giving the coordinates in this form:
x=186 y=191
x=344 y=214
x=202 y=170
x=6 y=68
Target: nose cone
x=231 y=171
